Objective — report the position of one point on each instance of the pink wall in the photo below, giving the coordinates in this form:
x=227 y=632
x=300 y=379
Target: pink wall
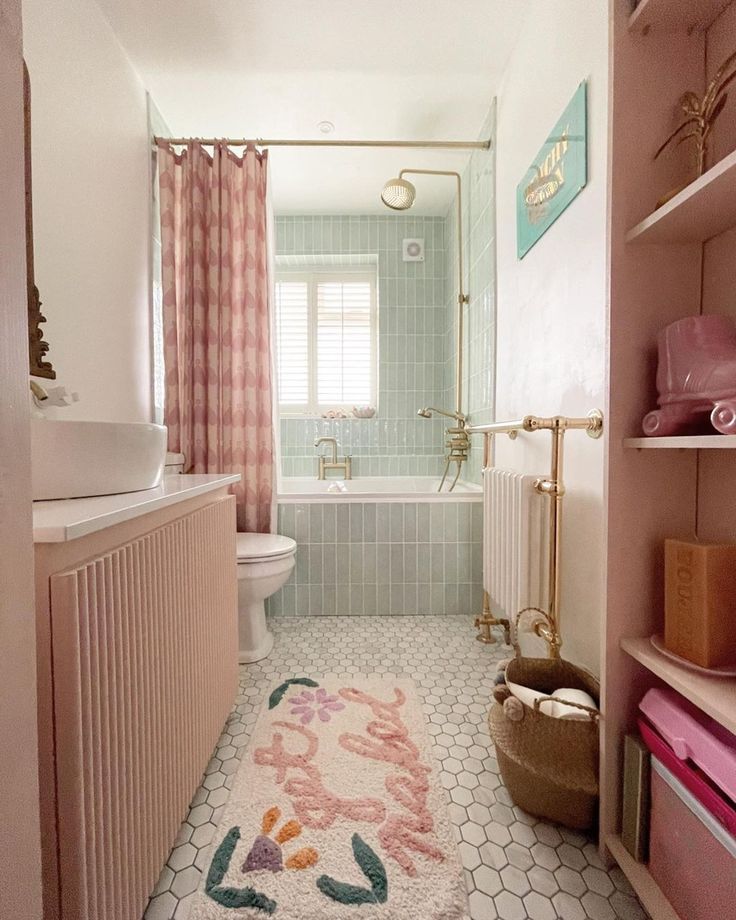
x=20 y=865
x=720 y=43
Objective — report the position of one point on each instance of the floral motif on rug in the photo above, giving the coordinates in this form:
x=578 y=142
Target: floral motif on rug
x=336 y=811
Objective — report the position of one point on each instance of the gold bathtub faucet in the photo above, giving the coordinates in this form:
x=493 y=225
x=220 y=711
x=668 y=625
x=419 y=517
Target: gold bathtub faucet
x=458 y=442
x=324 y=464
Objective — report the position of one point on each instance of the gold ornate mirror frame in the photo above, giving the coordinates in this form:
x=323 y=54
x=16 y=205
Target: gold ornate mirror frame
x=37 y=348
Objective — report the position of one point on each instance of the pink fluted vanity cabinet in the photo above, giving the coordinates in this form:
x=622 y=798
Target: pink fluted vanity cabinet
x=137 y=671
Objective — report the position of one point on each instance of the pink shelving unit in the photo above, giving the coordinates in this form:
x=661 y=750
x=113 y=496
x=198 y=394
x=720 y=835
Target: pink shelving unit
x=675 y=15
x=699 y=212
x=665 y=263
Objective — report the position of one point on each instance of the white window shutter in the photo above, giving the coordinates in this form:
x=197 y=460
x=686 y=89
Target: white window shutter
x=327 y=340
x=344 y=346
x=292 y=329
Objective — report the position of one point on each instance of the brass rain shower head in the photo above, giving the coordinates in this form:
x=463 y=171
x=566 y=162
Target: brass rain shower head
x=398 y=194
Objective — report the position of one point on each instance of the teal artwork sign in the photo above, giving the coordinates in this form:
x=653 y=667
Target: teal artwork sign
x=558 y=173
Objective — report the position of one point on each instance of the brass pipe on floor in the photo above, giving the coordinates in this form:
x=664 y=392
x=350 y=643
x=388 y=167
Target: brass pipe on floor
x=555 y=489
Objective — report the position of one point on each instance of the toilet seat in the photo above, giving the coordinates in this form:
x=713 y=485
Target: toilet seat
x=263 y=547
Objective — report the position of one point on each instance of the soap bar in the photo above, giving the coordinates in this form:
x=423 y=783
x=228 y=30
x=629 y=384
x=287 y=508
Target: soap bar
x=700 y=602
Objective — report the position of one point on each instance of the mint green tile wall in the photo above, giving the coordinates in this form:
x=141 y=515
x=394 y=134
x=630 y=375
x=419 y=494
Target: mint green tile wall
x=412 y=344
x=479 y=256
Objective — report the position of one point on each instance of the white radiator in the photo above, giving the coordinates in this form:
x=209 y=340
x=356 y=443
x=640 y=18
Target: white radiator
x=514 y=542
x=145 y=673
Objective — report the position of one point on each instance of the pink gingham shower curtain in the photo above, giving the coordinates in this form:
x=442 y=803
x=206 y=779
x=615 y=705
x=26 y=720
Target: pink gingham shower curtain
x=216 y=317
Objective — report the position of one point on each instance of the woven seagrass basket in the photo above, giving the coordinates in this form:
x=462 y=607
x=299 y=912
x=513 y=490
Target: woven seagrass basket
x=549 y=765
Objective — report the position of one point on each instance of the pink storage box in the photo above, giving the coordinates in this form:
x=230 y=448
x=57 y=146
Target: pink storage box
x=693 y=735
x=692 y=858
x=692 y=778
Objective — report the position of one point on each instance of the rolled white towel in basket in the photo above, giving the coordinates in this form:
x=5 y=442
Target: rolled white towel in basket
x=556 y=708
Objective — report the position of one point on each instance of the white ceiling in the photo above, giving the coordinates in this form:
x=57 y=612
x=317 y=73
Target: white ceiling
x=377 y=69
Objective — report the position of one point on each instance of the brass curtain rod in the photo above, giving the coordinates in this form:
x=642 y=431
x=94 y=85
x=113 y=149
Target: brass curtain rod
x=548 y=622
x=271 y=142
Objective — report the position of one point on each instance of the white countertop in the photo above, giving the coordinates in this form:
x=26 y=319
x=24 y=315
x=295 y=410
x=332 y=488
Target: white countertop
x=67 y=519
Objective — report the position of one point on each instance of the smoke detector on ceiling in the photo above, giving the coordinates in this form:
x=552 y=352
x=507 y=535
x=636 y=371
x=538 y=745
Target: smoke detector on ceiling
x=413 y=250
x=325 y=127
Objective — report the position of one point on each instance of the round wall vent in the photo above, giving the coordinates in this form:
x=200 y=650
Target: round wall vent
x=413 y=250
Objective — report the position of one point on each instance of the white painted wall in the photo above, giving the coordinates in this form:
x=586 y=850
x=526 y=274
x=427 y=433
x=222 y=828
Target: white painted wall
x=20 y=840
x=552 y=305
x=91 y=161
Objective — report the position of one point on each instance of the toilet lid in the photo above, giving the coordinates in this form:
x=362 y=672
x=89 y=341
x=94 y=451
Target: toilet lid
x=252 y=546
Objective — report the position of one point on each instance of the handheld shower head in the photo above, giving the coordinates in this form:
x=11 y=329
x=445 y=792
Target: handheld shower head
x=398 y=194
x=428 y=410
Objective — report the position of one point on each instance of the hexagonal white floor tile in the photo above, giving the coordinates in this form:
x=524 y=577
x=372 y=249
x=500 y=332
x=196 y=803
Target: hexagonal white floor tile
x=516 y=867
x=487 y=880
x=482 y=907
x=509 y=906
x=538 y=907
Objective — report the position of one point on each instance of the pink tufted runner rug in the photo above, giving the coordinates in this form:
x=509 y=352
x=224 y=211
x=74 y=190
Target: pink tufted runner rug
x=336 y=812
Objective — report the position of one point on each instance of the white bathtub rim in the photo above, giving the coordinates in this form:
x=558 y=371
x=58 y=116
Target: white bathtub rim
x=473 y=494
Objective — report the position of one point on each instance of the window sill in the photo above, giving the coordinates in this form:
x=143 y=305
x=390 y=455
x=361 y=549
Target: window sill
x=321 y=418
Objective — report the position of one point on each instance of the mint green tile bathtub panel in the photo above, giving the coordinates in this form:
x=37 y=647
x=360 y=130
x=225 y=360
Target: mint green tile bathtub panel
x=412 y=344
x=380 y=465
x=382 y=558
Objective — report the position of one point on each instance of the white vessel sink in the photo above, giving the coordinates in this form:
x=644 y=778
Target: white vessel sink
x=71 y=459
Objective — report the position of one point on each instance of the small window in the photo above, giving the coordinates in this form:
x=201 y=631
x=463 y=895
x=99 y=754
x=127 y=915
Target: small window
x=326 y=341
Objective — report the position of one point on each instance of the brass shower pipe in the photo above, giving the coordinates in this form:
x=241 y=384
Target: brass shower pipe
x=549 y=627
x=399 y=194
x=462 y=297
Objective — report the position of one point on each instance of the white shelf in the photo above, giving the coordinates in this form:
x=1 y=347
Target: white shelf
x=685 y=442
x=714 y=695
x=675 y=15
x=647 y=890
x=704 y=209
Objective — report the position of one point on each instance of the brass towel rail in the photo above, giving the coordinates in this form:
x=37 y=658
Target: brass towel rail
x=592 y=423
x=547 y=624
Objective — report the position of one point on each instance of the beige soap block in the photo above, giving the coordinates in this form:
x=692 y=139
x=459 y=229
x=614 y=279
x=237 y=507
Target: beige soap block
x=700 y=602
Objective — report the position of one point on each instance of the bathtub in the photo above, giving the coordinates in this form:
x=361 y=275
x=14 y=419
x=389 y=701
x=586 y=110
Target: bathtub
x=375 y=489
x=386 y=545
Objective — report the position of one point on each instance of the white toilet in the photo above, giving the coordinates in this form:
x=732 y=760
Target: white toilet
x=265 y=561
